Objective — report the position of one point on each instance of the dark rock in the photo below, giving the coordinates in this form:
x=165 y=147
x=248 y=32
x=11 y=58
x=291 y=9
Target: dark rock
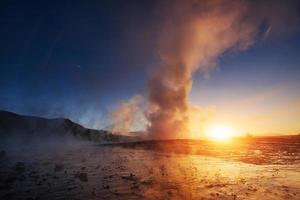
x=131 y=177
x=94 y=193
x=19 y=167
x=58 y=167
x=106 y=187
x=82 y=177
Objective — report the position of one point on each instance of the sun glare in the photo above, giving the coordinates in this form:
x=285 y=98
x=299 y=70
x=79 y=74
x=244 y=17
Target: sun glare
x=219 y=132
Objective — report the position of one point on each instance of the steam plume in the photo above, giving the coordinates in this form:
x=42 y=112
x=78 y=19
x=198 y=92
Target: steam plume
x=128 y=116
x=194 y=33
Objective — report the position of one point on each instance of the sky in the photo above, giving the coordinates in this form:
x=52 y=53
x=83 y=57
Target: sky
x=81 y=59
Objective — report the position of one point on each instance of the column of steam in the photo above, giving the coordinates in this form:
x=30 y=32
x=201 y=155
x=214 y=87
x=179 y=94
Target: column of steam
x=193 y=35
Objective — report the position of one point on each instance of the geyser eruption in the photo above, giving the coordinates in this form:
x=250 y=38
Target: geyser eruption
x=128 y=116
x=194 y=33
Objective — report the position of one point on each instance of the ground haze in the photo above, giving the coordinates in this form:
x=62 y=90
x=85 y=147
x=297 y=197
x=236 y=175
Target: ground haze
x=263 y=168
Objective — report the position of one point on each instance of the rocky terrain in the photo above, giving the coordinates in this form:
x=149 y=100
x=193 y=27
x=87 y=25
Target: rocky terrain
x=114 y=172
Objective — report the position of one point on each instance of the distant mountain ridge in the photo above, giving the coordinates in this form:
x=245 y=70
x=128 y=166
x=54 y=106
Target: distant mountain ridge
x=27 y=128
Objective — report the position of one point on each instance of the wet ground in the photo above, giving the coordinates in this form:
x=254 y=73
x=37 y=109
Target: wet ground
x=175 y=170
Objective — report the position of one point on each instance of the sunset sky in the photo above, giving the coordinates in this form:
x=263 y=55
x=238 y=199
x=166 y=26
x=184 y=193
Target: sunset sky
x=82 y=60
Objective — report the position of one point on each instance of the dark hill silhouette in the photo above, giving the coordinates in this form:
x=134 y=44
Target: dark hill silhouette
x=28 y=128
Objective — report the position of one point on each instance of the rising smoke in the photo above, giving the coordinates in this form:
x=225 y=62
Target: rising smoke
x=128 y=116
x=194 y=33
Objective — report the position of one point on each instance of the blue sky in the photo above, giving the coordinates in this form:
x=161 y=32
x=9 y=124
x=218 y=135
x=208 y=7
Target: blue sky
x=80 y=60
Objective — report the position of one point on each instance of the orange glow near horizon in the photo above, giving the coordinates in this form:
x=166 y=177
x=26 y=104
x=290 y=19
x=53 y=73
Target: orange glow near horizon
x=219 y=132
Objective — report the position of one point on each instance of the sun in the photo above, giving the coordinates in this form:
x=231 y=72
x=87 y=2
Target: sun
x=219 y=132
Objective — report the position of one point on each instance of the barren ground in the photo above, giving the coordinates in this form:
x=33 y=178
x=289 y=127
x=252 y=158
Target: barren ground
x=153 y=170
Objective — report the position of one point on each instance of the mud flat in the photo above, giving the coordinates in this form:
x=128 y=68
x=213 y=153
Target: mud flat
x=115 y=172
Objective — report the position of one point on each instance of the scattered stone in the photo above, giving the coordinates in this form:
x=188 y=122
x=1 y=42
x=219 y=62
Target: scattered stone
x=108 y=177
x=135 y=186
x=131 y=177
x=71 y=188
x=19 y=167
x=39 y=183
x=82 y=177
x=94 y=192
x=234 y=197
x=106 y=187
x=58 y=167
x=147 y=182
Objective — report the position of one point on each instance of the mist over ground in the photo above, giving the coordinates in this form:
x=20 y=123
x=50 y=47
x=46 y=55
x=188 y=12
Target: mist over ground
x=151 y=99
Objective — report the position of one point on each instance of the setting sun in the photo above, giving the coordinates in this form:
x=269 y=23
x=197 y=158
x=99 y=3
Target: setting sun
x=219 y=132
